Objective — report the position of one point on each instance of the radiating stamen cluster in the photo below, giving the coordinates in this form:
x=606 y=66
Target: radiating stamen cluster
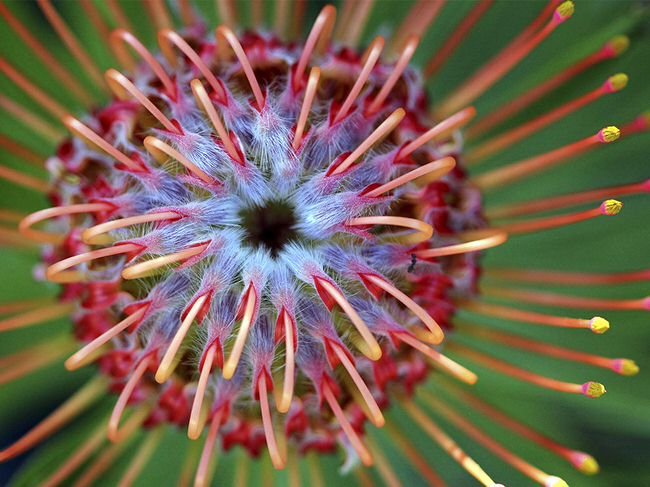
x=261 y=236
x=267 y=240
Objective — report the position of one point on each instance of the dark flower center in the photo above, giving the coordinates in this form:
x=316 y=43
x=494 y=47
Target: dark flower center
x=270 y=226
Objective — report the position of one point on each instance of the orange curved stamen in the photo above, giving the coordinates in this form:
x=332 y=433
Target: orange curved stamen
x=195 y=426
x=371 y=56
x=227 y=12
x=441 y=129
x=379 y=133
x=120 y=36
x=429 y=172
x=509 y=370
x=87 y=353
x=372 y=350
x=96 y=235
x=355 y=441
x=374 y=412
x=416 y=309
x=423 y=231
x=276 y=457
x=476 y=240
x=284 y=403
x=308 y=100
x=149 y=267
x=224 y=34
x=449 y=446
x=448 y=365
x=167 y=364
x=162 y=151
x=204 y=102
x=202 y=472
x=319 y=34
x=123 y=88
x=26 y=224
x=247 y=320
x=59 y=272
x=80 y=130
x=167 y=38
x=157 y=10
x=70 y=409
x=113 y=432
x=400 y=66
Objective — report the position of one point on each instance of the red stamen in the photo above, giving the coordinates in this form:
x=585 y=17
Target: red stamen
x=149 y=267
x=496 y=69
x=497 y=449
x=597 y=324
x=70 y=409
x=590 y=389
x=523 y=169
x=457 y=37
x=317 y=39
x=611 y=49
x=207 y=455
x=20 y=364
x=159 y=14
x=563 y=301
x=37 y=316
x=565 y=201
x=449 y=446
x=277 y=459
x=24 y=180
x=416 y=23
x=32 y=121
x=497 y=144
x=308 y=100
x=250 y=299
x=476 y=240
x=356 y=13
x=567 y=278
x=71 y=42
x=141 y=457
x=607 y=208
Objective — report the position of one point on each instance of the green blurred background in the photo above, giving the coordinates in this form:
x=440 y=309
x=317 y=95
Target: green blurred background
x=615 y=429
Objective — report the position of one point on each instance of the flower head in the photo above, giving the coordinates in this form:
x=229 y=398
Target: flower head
x=268 y=242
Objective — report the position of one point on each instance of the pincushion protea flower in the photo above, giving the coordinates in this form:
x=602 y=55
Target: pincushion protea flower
x=267 y=239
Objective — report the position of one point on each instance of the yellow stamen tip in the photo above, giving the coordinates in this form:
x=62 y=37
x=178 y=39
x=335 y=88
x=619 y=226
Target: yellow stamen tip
x=609 y=134
x=619 y=44
x=564 y=11
x=553 y=481
x=611 y=207
x=598 y=325
x=584 y=463
x=617 y=82
x=625 y=367
x=593 y=390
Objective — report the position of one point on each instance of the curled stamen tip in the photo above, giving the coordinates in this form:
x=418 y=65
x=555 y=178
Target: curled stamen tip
x=618 y=45
x=598 y=325
x=553 y=481
x=609 y=134
x=593 y=390
x=564 y=11
x=584 y=463
x=625 y=367
x=611 y=207
x=616 y=82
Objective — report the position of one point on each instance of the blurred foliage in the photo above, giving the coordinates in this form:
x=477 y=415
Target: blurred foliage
x=615 y=429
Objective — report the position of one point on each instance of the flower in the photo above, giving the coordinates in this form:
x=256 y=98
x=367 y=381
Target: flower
x=274 y=241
